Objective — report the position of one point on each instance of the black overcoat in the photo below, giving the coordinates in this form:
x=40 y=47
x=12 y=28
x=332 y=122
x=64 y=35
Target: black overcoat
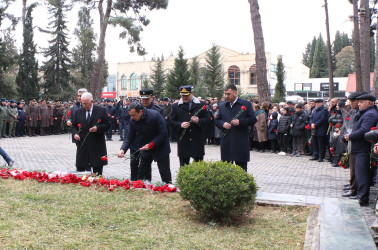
x=94 y=147
x=235 y=144
x=193 y=142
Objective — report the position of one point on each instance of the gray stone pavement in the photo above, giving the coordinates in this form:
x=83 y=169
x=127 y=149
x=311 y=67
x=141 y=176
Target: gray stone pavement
x=273 y=173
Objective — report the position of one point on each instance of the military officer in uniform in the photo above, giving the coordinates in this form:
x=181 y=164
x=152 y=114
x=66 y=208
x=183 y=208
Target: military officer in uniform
x=32 y=116
x=364 y=121
x=190 y=115
x=154 y=141
x=3 y=117
x=111 y=110
x=147 y=100
x=12 y=118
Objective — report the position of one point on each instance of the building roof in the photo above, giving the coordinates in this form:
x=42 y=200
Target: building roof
x=351 y=85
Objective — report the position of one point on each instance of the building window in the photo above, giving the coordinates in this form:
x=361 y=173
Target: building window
x=252 y=75
x=134 y=83
x=123 y=83
x=234 y=75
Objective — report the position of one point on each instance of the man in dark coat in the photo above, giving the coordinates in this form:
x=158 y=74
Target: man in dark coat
x=147 y=100
x=319 y=126
x=151 y=126
x=75 y=107
x=111 y=111
x=365 y=120
x=123 y=122
x=20 y=120
x=88 y=127
x=189 y=115
x=299 y=122
x=235 y=136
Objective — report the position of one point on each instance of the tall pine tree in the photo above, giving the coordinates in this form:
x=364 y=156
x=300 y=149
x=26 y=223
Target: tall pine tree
x=194 y=72
x=214 y=74
x=27 y=77
x=158 y=78
x=319 y=66
x=56 y=69
x=84 y=53
x=178 y=76
x=280 y=90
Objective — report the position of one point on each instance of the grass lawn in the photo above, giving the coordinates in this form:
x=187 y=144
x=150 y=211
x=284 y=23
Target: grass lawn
x=56 y=216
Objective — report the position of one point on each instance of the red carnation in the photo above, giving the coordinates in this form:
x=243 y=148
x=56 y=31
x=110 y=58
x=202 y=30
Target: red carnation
x=108 y=114
x=79 y=125
x=69 y=113
x=373 y=128
x=151 y=145
x=243 y=107
x=99 y=120
x=330 y=124
x=309 y=143
x=338 y=125
x=104 y=158
x=204 y=107
x=348 y=118
x=308 y=127
x=275 y=130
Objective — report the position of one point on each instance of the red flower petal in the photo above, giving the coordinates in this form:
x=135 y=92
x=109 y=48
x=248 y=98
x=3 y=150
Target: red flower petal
x=373 y=128
x=243 y=107
x=151 y=145
x=204 y=107
x=79 y=125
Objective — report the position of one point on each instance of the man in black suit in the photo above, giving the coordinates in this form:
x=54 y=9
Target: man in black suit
x=88 y=128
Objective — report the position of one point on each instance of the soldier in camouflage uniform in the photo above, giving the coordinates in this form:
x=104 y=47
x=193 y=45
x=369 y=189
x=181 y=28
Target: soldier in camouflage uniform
x=12 y=117
x=3 y=117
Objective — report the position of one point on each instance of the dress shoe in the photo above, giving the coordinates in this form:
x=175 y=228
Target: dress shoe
x=363 y=203
x=354 y=197
x=335 y=165
x=110 y=139
x=320 y=160
x=298 y=154
x=10 y=164
x=313 y=159
x=292 y=154
x=121 y=139
x=346 y=185
x=346 y=189
x=348 y=194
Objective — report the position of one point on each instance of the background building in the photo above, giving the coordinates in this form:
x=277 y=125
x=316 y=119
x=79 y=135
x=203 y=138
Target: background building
x=239 y=68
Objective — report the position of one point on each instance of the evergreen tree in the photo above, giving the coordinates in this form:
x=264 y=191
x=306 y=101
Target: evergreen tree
x=319 y=66
x=312 y=52
x=27 y=77
x=341 y=41
x=84 y=53
x=306 y=55
x=145 y=84
x=280 y=91
x=214 y=74
x=179 y=75
x=345 y=62
x=194 y=72
x=8 y=61
x=158 y=78
x=56 y=69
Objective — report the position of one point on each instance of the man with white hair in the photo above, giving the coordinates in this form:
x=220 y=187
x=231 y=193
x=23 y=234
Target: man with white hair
x=89 y=125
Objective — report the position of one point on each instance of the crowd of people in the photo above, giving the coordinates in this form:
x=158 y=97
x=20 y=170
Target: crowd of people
x=341 y=131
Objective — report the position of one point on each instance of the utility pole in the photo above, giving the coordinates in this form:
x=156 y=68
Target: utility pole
x=330 y=69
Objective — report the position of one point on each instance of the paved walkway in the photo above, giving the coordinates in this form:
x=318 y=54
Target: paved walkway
x=273 y=173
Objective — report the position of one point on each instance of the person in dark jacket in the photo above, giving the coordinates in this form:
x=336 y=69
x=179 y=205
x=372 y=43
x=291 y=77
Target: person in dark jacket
x=20 y=120
x=147 y=100
x=335 y=144
x=123 y=122
x=151 y=125
x=319 y=126
x=284 y=131
x=111 y=111
x=235 y=139
x=190 y=115
x=298 y=124
x=365 y=121
x=272 y=133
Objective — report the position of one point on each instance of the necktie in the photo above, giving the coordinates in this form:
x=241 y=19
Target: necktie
x=190 y=105
x=88 y=115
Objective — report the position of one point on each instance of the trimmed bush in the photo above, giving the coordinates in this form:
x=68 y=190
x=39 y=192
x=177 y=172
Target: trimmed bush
x=218 y=190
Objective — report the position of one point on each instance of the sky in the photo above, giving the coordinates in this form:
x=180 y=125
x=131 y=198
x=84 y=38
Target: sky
x=197 y=24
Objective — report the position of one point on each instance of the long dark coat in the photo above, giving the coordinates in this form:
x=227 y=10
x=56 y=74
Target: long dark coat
x=44 y=115
x=193 y=142
x=32 y=114
x=300 y=120
x=150 y=128
x=94 y=147
x=320 y=119
x=235 y=144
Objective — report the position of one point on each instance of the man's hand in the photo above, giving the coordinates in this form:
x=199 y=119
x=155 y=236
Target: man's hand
x=144 y=148
x=93 y=129
x=195 y=119
x=226 y=125
x=77 y=137
x=235 y=122
x=313 y=125
x=291 y=125
x=112 y=117
x=346 y=137
x=121 y=153
x=185 y=125
x=69 y=123
x=376 y=148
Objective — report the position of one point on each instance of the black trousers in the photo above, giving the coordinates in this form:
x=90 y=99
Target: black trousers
x=319 y=146
x=108 y=133
x=144 y=172
x=274 y=145
x=352 y=181
x=134 y=165
x=242 y=164
x=186 y=160
x=362 y=171
x=122 y=130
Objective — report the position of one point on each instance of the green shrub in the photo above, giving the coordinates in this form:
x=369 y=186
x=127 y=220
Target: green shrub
x=218 y=190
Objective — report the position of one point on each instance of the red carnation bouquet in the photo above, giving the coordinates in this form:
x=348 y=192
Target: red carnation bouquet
x=195 y=114
x=242 y=109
